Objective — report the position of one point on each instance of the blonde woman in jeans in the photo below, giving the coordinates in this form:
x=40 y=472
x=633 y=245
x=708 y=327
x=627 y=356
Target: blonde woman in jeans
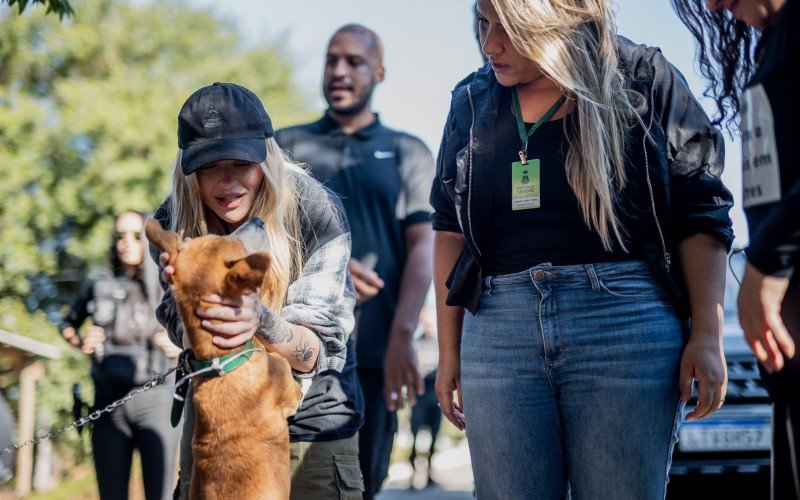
x=581 y=221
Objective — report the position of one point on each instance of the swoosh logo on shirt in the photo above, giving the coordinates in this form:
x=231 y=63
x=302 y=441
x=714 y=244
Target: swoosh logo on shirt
x=382 y=155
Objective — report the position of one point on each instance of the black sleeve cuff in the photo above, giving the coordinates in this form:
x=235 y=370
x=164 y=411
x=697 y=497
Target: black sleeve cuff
x=769 y=262
x=723 y=235
x=441 y=223
x=415 y=218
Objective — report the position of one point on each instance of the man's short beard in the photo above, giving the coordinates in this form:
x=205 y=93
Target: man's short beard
x=351 y=110
x=355 y=108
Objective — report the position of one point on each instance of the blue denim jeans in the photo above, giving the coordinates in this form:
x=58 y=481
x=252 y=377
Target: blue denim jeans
x=569 y=376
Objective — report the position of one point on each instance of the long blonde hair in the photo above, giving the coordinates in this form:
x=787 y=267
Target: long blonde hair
x=276 y=203
x=574 y=43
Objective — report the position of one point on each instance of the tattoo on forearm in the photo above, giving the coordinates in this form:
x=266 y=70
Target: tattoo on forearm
x=274 y=328
x=303 y=352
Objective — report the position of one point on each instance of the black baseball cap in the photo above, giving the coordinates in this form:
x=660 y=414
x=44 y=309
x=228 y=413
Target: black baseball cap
x=223 y=121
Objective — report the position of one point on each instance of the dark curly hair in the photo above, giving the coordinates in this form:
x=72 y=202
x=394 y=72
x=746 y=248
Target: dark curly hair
x=728 y=51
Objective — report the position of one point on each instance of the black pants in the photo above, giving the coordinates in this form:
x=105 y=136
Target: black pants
x=377 y=435
x=142 y=424
x=426 y=413
x=784 y=388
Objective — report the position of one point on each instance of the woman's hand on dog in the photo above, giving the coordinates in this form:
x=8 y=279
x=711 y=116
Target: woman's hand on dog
x=232 y=320
x=166 y=269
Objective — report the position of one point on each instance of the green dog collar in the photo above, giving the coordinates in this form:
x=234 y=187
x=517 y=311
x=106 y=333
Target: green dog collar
x=188 y=368
x=224 y=365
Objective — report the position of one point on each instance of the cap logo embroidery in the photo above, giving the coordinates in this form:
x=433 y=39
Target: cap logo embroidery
x=213 y=120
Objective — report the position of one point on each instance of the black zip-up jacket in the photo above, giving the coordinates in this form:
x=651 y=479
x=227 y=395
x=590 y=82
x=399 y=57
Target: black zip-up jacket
x=675 y=159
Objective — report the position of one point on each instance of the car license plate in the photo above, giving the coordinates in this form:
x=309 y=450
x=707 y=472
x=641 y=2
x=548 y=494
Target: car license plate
x=721 y=435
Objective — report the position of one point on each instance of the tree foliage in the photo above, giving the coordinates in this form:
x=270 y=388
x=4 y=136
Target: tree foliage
x=88 y=111
x=60 y=7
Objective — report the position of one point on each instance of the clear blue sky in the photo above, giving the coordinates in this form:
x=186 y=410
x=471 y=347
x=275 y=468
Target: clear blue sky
x=430 y=47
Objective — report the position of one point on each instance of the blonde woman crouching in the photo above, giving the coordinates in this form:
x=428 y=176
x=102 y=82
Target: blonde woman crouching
x=229 y=169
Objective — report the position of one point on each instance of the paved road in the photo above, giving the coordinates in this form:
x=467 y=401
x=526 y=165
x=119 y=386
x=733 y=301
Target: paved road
x=450 y=469
x=426 y=494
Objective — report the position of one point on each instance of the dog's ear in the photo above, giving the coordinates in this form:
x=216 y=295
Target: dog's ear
x=164 y=240
x=245 y=275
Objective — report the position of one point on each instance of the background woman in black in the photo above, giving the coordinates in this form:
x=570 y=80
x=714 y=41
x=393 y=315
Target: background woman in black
x=127 y=344
x=750 y=51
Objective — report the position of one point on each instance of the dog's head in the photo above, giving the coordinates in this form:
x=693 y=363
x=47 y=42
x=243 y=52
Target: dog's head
x=231 y=265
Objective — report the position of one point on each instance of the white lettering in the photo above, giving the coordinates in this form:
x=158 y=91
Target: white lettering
x=761 y=180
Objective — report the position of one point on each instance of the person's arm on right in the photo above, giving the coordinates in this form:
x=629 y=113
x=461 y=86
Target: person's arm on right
x=773 y=254
x=772 y=257
x=447 y=246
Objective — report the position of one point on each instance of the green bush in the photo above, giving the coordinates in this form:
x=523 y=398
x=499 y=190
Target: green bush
x=88 y=109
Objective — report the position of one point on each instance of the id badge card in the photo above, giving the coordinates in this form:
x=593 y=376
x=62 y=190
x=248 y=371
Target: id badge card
x=525 y=185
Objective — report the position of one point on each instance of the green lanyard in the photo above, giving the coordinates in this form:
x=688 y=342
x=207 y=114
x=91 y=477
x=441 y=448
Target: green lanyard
x=523 y=135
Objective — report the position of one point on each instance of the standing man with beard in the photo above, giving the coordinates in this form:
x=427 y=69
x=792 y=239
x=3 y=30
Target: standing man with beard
x=383 y=178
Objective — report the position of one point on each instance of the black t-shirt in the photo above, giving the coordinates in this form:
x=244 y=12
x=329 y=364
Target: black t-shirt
x=771 y=149
x=383 y=178
x=555 y=231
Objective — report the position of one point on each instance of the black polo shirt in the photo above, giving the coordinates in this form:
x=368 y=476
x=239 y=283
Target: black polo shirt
x=383 y=178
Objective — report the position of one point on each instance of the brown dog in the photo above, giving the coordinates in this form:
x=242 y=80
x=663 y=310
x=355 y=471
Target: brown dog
x=241 y=437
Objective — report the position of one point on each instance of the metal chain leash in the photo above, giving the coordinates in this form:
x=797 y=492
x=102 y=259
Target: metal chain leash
x=156 y=380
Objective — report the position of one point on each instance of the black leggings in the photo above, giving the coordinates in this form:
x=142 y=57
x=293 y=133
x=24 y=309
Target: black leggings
x=426 y=413
x=142 y=424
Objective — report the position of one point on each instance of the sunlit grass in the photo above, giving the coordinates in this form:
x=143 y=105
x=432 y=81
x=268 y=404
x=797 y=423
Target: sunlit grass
x=80 y=483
